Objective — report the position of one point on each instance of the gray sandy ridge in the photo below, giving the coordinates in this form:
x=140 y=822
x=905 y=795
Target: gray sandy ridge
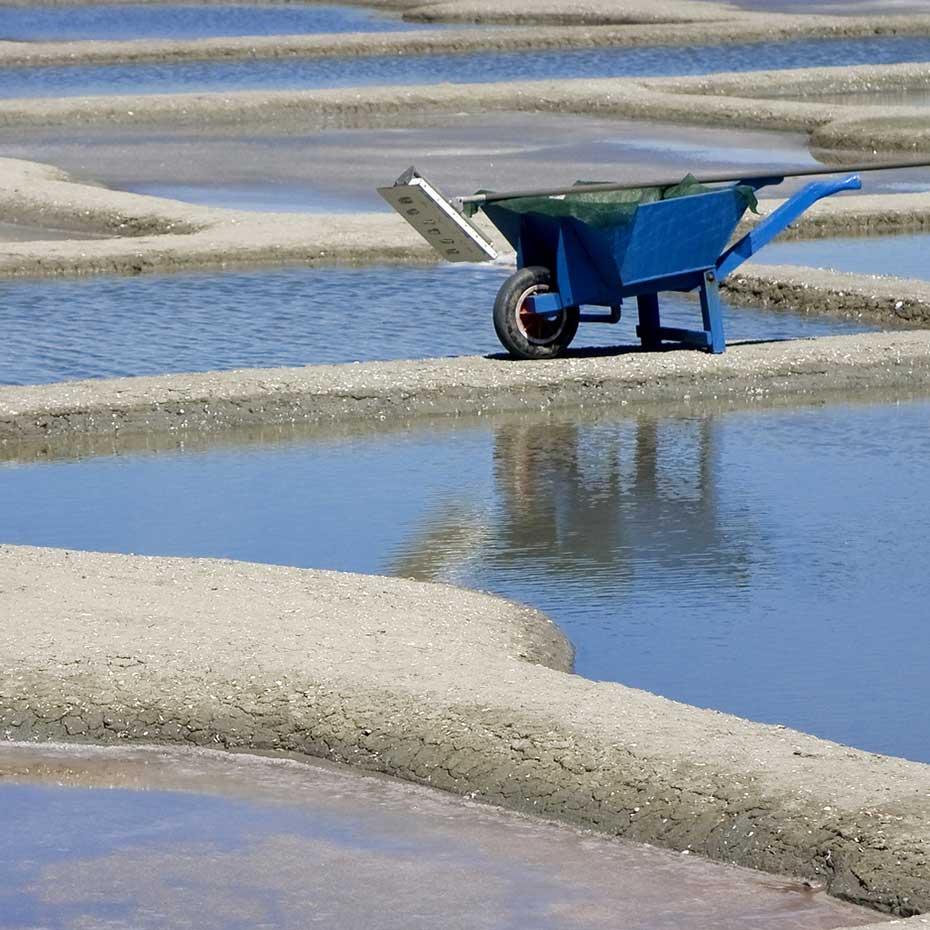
x=455 y=689
x=593 y=12
x=882 y=299
x=824 y=368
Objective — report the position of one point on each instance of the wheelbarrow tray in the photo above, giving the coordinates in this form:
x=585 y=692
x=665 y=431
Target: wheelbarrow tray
x=606 y=251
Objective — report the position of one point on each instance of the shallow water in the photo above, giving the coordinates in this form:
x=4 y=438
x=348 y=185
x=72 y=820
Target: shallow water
x=157 y=838
x=308 y=73
x=57 y=330
x=901 y=256
x=187 y=21
x=766 y=563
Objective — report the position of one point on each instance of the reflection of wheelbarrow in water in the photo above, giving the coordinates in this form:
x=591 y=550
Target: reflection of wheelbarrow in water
x=593 y=245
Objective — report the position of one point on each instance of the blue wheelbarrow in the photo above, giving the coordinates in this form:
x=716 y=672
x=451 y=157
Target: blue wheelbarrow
x=583 y=250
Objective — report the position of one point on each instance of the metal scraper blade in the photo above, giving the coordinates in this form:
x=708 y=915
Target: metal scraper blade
x=450 y=233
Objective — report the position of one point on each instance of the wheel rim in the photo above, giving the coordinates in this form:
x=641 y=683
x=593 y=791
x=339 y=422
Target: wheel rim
x=537 y=329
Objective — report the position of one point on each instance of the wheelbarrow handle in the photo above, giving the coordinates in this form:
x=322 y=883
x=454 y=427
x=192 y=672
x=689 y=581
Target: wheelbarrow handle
x=779 y=220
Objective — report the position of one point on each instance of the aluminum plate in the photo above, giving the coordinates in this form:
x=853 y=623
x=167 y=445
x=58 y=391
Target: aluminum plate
x=451 y=234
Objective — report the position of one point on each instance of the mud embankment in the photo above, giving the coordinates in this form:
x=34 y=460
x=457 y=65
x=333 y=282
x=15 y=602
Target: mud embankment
x=828 y=367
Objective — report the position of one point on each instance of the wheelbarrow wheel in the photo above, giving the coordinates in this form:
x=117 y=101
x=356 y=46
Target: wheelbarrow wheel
x=523 y=333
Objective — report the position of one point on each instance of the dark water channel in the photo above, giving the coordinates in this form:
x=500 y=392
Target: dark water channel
x=56 y=330
x=769 y=563
x=158 y=839
x=117 y=21
x=309 y=73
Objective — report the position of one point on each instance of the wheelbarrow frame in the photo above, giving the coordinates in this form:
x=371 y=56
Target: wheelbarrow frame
x=578 y=278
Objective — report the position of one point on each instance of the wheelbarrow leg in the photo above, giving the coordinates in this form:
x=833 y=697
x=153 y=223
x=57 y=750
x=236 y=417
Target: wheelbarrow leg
x=649 y=323
x=711 y=312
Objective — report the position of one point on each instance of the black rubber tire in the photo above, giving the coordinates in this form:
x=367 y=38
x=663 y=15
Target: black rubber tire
x=553 y=335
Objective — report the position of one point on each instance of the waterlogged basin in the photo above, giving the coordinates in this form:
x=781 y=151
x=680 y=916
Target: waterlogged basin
x=902 y=256
x=37 y=23
x=308 y=73
x=58 y=330
x=156 y=838
x=767 y=563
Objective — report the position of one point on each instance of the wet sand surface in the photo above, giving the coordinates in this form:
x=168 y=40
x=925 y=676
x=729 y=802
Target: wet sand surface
x=339 y=170
x=17 y=232
x=110 y=835
x=889 y=98
x=632 y=12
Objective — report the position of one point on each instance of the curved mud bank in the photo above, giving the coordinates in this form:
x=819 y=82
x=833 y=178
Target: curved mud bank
x=900 y=129
x=856 y=215
x=42 y=195
x=829 y=368
x=447 y=687
x=789 y=100
x=154 y=234
x=250 y=240
x=374 y=106
x=588 y=12
x=811 y=290
x=699 y=100
x=802 y=82
x=604 y=11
